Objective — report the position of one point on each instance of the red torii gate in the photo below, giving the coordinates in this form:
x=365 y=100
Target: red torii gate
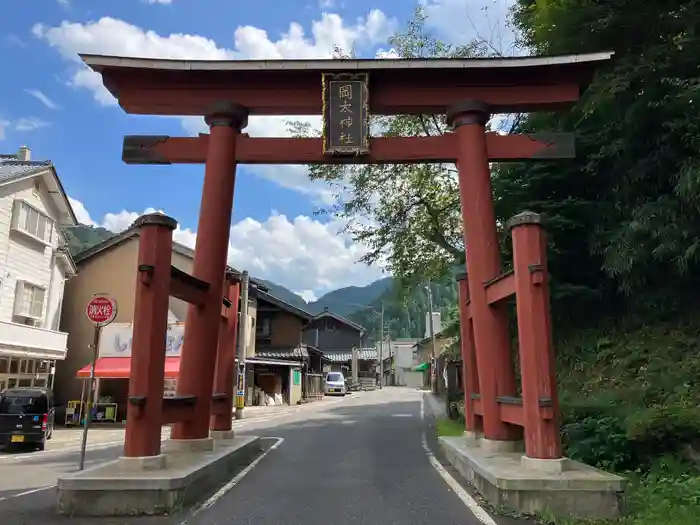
x=468 y=92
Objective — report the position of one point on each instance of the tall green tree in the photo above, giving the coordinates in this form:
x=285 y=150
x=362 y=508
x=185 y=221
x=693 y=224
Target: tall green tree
x=407 y=215
x=624 y=216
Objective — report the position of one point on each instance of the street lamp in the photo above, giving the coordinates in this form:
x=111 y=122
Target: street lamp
x=431 y=333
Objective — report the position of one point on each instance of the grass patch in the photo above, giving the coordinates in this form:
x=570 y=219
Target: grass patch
x=447 y=427
x=669 y=494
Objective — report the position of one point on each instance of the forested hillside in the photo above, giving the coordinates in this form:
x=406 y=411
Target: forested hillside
x=405 y=310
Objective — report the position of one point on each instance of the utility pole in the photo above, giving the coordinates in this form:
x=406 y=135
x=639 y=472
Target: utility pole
x=242 y=345
x=381 y=348
x=431 y=333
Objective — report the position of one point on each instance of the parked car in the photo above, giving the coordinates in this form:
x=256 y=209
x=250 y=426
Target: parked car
x=335 y=384
x=27 y=417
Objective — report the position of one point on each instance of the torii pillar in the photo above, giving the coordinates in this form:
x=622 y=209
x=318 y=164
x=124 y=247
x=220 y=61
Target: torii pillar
x=483 y=259
x=198 y=360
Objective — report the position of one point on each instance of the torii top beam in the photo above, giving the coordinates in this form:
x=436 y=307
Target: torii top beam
x=397 y=86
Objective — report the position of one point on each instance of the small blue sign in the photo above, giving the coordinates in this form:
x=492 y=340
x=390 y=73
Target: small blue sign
x=36 y=418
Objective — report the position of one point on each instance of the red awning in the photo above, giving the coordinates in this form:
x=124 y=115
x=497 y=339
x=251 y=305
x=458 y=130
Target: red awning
x=120 y=368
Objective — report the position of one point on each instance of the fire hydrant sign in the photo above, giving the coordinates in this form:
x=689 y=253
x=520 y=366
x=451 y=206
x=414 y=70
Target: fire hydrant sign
x=101 y=310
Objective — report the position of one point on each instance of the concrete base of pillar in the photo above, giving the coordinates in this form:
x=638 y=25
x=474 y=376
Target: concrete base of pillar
x=116 y=488
x=144 y=463
x=189 y=445
x=546 y=466
x=562 y=488
x=494 y=446
x=222 y=436
x=239 y=413
x=472 y=436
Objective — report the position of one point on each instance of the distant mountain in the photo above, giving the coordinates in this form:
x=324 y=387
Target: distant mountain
x=345 y=301
x=342 y=301
x=405 y=317
x=285 y=294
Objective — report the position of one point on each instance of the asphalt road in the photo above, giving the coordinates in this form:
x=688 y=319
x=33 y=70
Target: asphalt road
x=360 y=461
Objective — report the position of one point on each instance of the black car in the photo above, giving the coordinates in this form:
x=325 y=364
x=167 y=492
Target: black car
x=26 y=417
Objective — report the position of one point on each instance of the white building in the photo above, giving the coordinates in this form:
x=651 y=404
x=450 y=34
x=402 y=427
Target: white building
x=34 y=265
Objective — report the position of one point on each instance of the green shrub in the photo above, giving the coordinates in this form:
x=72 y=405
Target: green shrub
x=660 y=430
x=600 y=441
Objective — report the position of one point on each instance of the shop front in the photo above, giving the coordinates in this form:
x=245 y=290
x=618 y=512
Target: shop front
x=112 y=372
x=275 y=382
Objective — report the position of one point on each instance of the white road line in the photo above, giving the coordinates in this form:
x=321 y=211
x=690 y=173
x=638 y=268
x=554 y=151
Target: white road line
x=462 y=494
x=234 y=481
x=27 y=492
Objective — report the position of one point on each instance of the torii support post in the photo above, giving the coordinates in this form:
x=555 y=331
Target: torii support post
x=470 y=376
x=146 y=380
x=491 y=333
x=202 y=326
x=537 y=361
x=225 y=363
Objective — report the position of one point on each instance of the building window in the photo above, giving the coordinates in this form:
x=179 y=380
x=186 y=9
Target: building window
x=26 y=366
x=30 y=221
x=43 y=367
x=29 y=300
x=264 y=328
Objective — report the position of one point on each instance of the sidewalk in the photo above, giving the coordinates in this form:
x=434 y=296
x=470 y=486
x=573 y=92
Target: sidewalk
x=102 y=435
x=434 y=405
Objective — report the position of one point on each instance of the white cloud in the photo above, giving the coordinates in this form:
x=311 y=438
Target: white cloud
x=46 y=101
x=21 y=125
x=29 y=124
x=308 y=295
x=164 y=2
x=301 y=254
x=110 y=36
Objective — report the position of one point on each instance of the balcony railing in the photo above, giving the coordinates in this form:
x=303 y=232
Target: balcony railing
x=28 y=341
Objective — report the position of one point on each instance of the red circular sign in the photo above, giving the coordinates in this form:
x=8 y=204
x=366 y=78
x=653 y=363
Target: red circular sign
x=101 y=309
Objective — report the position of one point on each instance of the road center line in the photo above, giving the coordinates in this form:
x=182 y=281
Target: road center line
x=234 y=481
x=462 y=494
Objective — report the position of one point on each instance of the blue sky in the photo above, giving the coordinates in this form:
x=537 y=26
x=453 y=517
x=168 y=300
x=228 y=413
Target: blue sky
x=49 y=102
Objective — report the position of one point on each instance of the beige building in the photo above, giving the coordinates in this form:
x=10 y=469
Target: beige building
x=110 y=268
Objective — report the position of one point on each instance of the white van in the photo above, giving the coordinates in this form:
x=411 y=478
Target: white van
x=335 y=384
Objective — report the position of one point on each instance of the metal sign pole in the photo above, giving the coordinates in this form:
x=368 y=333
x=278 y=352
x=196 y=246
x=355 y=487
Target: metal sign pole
x=90 y=393
x=101 y=310
x=242 y=345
